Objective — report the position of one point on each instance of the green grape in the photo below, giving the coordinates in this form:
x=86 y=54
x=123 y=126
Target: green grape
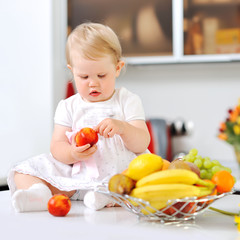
x=193 y=152
x=234 y=179
x=207 y=163
x=203 y=173
x=216 y=162
x=222 y=167
x=228 y=169
x=189 y=158
x=198 y=162
x=207 y=159
x=207 y=166
x=216 y=169
x=198 y=157
x=209 y=175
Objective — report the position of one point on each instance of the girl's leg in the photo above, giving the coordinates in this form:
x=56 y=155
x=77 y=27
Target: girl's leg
x=24 y=181
x=33 y=193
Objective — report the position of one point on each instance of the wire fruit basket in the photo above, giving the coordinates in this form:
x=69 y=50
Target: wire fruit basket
x=176 y=210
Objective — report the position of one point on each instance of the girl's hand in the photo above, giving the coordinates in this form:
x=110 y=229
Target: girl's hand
x=82 y=153
x=109 y=127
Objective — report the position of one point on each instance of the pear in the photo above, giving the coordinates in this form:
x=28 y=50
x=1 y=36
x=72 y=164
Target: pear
x=194 y=168
x=179 y=163
x=121 y=184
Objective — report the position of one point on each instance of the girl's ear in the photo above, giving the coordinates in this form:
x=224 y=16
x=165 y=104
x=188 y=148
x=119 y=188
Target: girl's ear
x=119 y=67
x=69 y=67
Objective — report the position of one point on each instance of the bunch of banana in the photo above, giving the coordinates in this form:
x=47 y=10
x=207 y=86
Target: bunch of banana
x=165 y=192
x=159 y=187
x=173 y=176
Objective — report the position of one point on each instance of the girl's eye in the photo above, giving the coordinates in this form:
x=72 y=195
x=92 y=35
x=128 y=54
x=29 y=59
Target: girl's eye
x=84 y=77
x=102 y=76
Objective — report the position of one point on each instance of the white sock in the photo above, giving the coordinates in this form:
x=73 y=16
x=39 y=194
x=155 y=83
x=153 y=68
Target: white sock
x=34 y=198
x=95 y=200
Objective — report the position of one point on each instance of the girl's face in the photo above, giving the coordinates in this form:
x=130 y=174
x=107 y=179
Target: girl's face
x=95 y=79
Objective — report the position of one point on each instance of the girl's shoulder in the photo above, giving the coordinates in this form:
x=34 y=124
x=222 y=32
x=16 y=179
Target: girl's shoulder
x=73 y=98
x=123 y=94
x=70 y=101
x=69 y=104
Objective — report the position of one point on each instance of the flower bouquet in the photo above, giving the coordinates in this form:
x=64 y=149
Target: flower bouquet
x=229 y=130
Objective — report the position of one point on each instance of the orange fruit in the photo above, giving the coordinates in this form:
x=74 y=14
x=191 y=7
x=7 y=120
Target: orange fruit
x=124 y=172
x=166 y=164
x=224 y=181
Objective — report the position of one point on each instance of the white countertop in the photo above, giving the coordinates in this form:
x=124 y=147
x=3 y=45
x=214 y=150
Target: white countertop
x=114 y=223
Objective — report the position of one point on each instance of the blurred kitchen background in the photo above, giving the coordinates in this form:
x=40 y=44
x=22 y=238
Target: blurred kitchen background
x=183 y=60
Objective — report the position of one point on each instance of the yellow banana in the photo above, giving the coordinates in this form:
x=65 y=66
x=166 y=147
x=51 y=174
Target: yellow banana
x=173 y=176
x=165 y=192
x=146 y=209
x=157 y=205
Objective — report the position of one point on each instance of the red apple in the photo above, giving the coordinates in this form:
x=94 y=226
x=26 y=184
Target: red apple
x=85 y=136
x=59 y=205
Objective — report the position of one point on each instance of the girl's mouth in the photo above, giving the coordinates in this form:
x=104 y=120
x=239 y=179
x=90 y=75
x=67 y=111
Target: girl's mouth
x=94 y=93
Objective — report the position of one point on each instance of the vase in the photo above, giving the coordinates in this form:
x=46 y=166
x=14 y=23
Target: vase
x=237 y=154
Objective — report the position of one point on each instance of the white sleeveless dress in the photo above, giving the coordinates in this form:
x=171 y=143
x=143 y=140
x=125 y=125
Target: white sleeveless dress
x=111 y=157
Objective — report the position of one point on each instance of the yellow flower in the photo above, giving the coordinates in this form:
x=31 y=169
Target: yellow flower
x=236 y=129
x=238 y=120
x=237 y=221
x=229 y=130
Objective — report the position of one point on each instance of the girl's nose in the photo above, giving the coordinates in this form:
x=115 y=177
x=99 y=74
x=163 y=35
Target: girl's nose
x=93 y=82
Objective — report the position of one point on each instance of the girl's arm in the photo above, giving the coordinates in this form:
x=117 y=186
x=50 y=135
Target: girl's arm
x=65 y=152
x=134 y=134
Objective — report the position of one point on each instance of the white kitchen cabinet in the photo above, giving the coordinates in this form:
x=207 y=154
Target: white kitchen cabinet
x=165 y=31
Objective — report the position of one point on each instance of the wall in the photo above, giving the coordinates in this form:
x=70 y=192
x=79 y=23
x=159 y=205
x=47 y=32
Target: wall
x=26 y=80
x=201 y=93
x=33 y=80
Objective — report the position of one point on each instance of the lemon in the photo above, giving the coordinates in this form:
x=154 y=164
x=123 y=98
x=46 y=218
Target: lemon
x=144 y=165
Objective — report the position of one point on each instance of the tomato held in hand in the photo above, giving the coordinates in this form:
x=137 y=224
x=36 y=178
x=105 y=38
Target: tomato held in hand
x=59 y=205
x=86 y=136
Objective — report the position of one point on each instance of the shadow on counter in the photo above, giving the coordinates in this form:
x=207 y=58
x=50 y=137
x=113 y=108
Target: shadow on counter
x=4 y=187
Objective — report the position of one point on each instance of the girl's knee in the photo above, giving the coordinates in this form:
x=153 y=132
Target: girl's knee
x=24 y=181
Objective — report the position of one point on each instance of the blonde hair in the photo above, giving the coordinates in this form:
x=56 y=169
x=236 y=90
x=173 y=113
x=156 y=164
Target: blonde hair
x=93 y=41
